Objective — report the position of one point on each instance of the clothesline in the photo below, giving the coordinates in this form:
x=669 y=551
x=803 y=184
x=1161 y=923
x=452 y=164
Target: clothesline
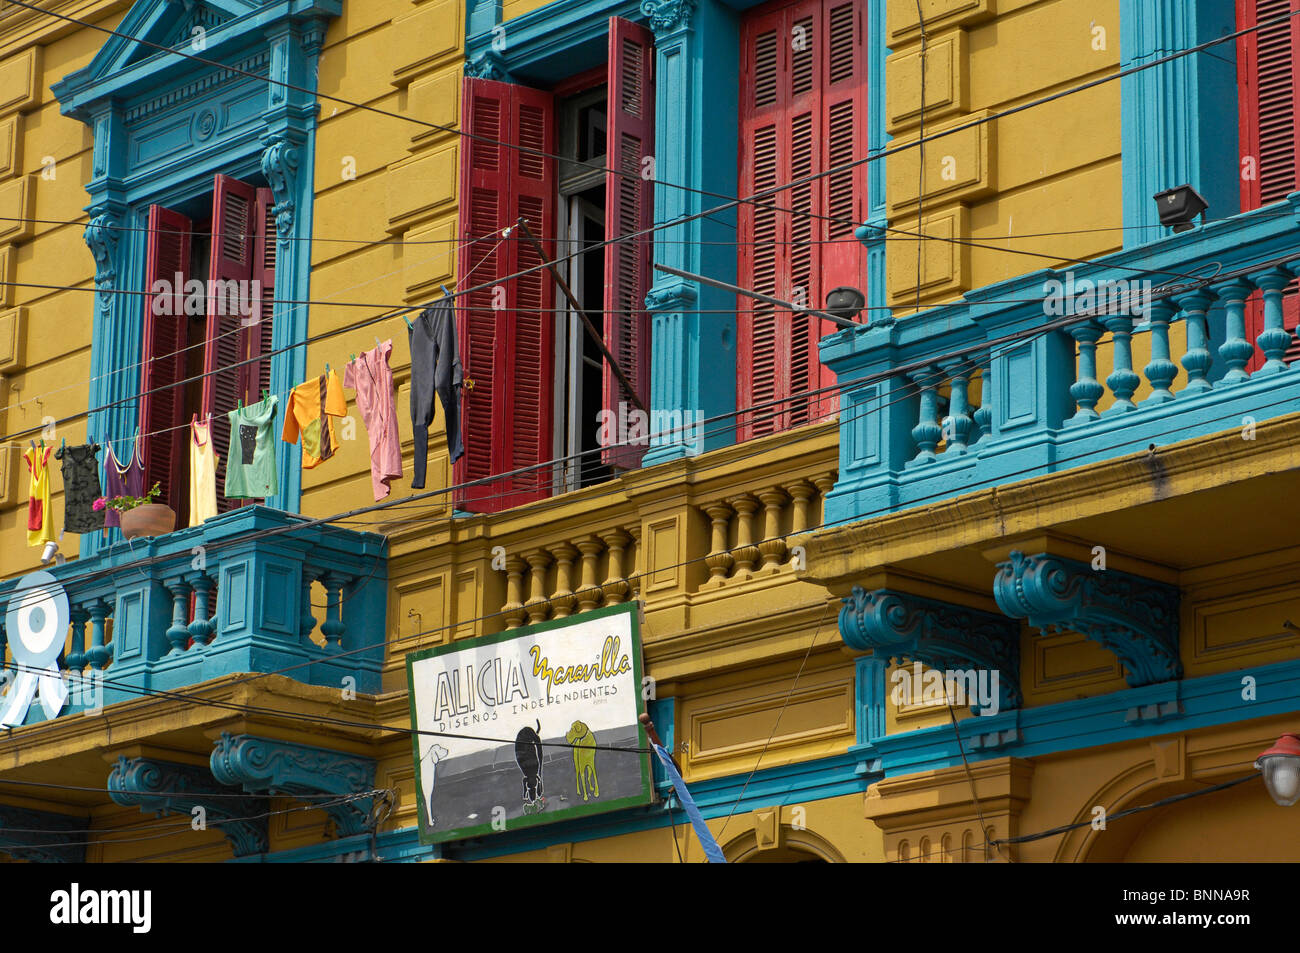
x=251 y=470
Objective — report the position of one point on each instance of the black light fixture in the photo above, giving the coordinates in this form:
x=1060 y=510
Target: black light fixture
x=1178 y=206
x=845 y=302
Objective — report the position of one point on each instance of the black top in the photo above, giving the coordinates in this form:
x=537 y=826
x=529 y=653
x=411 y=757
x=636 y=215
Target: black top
x=80 y=488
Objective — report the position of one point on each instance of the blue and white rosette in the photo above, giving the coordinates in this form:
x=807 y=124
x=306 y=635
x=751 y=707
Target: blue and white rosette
x=37 y=624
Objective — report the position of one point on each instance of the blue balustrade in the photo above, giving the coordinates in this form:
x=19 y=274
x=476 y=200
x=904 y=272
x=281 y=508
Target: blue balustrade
x=1029 y=347
x=231 y=596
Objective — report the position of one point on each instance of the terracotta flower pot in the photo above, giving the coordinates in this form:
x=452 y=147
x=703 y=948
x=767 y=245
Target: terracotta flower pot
x=151 y=519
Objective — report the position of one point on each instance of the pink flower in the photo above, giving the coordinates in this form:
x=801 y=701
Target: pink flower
x=99 y=504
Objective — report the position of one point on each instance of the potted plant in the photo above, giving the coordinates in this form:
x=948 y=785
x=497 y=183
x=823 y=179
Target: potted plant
x=140 y=515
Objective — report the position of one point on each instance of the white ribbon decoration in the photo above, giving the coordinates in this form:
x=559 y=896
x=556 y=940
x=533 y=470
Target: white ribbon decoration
x=37 y=623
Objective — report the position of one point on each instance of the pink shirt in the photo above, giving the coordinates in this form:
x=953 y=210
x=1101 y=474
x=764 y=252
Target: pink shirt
x=371 y=377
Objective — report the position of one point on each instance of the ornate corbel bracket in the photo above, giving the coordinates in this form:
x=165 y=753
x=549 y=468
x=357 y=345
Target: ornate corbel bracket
x=162 y=787
x=280 y=166
x=101 y=237
x=665 y=16
x=268 y=766
x=487 y=64
x=940 y=635
x=41 y=836
x=1134 y=618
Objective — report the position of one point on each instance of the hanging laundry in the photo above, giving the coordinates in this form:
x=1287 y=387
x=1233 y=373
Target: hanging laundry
x=372 y=378
x=435 y=368
x=250 y=465
x=203 y=472
x=40 y=520
x=313 y=405
x=80 y=488
x=122 y=481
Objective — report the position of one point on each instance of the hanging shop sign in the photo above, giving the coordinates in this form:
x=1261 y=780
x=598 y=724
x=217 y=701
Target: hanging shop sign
x=36 y=620
x=528 y=725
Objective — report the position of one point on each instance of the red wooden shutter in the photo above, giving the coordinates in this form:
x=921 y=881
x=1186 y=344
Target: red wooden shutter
x=231 y=259
x=258 y=336
x=162 y=406
x=629 y=208
x=506 y=330
x=803 y=100
x=1267 y=93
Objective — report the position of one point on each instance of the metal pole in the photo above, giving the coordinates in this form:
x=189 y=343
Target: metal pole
x=841 y=322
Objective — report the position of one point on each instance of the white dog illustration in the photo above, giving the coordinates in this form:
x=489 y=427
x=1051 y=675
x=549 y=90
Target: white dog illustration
x=428 y=769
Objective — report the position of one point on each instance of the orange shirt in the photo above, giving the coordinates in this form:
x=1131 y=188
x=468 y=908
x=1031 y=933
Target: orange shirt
x=313 y=405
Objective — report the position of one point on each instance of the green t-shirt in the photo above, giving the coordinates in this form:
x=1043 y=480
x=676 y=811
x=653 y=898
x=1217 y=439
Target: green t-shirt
x=250 y=461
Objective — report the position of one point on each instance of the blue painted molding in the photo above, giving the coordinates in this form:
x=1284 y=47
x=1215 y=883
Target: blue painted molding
x=897 y=625
x=163 y=126
x=164 y=787
x=42 y=836
x=283 y=768
x=1027 y=423
x=1179 y=120
x=1133 y=618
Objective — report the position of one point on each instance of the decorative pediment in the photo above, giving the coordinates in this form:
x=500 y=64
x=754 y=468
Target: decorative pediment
x=129 y=62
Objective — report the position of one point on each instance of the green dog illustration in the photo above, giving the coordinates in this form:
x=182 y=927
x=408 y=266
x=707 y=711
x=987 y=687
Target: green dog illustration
x=584 y=760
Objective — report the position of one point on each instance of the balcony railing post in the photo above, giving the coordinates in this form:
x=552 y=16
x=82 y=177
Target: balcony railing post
x=538 y=560
x=1235 y=350
x=927 y=433
x=719 y=559
x=615 y=586
x=1086 y=389
x=307 y=621
x=1198 y=359
x=563 y=601
x=1121 y=381
x=178 y=633
x=745 y=553
x=772 y=546
x=983 y=415
x=589 y=593
x=99 y=654
x=1275 y=338
x=333 y=628
x=204 y=627
x=1160 y=370
x=75 y=660
x=957 y=426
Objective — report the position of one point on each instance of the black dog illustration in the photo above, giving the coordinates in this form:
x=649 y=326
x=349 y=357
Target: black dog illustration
x=528 y=755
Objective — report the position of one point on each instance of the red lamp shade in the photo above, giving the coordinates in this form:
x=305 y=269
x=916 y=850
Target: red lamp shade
x=1280 y=766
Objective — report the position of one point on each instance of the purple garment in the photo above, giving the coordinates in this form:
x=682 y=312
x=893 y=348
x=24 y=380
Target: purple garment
x=122 y=482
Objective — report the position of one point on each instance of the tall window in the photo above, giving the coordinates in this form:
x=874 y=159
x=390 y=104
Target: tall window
x=210 y=308
x=803 y=111
x=1270 y=150
x=540 y=383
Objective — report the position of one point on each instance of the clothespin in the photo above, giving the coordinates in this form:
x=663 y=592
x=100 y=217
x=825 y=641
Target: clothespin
x=33 y=443
x=63 y=444
x=240 y=404
x=327 y=367
x=352 y=357
x=409 y=326
x=377 y=344
x=265 y=393
x=445 y=291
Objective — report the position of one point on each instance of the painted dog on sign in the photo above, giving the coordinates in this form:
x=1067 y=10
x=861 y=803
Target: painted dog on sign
x=584 y=760
x=528 y=755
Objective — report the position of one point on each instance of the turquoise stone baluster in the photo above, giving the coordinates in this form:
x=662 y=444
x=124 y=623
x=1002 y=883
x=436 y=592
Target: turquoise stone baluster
x=1198 y=358
x=957 y=429
x=178 y=633
x=332 y=628
x=983 y=415
x=927 y=433
x=75 y=660
x=98 y=655
x=1122 y=381
x=1274 y=339
x=307 y=621
x=1160 y=370
x=203 y=629
x=1086 y=389
x=1235 y=350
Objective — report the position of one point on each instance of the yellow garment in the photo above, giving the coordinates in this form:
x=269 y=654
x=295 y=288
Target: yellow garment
x=309 y=403
x=40 y=517
x=203 y=473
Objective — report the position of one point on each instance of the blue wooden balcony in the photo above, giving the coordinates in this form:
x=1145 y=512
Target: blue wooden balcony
x=993 y=389
x=254 y=590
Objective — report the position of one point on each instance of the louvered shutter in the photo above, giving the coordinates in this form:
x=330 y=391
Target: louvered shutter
x=162 y=405
x=1267 y=93
x=259 y=335
x=226 y=381
x=508 y=350
x=802 y=109
x=629 y=208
